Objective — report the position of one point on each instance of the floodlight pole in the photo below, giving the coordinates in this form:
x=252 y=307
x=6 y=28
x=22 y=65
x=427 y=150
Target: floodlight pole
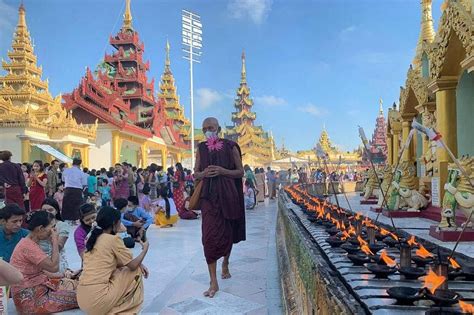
x=192 y=31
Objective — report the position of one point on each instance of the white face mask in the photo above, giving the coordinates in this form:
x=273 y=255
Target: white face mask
x=210 y=134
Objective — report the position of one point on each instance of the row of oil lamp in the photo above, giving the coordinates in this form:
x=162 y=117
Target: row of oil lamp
x=366 y=243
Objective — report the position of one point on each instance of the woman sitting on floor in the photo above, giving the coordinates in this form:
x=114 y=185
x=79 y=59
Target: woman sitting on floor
x=166 y=215
x=187 y=214
x=38 y=293
x=111 y=280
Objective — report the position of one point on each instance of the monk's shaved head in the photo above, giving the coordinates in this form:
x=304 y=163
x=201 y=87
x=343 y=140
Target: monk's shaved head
x=210 y=121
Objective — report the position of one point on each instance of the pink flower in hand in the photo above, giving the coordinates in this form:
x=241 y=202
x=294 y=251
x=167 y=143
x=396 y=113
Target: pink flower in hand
x=214 y=144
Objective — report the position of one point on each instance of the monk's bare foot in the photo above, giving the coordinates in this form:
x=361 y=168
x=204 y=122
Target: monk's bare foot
x=211 y=292
x=225 y=272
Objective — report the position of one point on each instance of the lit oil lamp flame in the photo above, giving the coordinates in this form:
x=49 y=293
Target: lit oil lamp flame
x=366 y=250
x=384 y=232
x=328 y=216
x=433 y=281
x=338 y=225
x=345 y=235
x=387 y=260
x=352 y=230
x=423 y=252
x=394 y=236
x=412 y=241
x=454 y=263
x=466 y=307
x=362 y=242
x=343 y=226
x=358 y=215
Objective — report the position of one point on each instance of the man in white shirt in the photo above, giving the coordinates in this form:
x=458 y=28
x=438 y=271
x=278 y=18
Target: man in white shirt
x=75 y=180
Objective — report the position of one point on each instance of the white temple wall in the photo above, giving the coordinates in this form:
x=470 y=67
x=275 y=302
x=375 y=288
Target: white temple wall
x=100 y=154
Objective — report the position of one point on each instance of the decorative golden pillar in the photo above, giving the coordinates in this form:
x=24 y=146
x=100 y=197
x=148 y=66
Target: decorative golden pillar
x=409 y=153
x=144 y=154
x=67 y=149
x=85 y=156
x=179 y=157
x=396 y=144
x=446 y=124
x=25 y=150
x=164 y=157
x=116 y=147
x=389 y=149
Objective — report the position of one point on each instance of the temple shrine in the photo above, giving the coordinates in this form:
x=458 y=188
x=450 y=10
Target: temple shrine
x=256 y=144
x=134 y=125
x=378 y=143
x=33 y=124
x=343 y=161
x=438 y=94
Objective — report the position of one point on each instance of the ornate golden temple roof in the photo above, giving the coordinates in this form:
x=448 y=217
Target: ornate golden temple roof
x=25 y=99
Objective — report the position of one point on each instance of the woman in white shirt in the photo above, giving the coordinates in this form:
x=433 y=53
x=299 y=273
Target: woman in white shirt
x=166 y=214
x=249 y=197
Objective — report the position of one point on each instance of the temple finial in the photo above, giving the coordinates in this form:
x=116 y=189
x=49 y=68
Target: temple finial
x=167 y=60
x=427 y=32
x=244 y=71
x=381 y=107
x=21 y=17
x=127 y=17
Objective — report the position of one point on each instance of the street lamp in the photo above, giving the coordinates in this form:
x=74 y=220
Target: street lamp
x=192 y=42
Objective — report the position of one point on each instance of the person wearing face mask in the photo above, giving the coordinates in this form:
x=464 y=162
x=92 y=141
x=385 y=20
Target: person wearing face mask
x=219 y=166
x=38 y=293
x=111 y=280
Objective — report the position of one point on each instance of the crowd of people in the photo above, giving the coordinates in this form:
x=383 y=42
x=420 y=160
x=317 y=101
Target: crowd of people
x=108 y=211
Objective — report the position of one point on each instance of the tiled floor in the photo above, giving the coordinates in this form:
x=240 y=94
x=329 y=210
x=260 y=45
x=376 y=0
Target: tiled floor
x=178 y=270
x=416 y=226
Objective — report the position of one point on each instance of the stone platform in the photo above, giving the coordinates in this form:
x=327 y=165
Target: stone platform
x=179 y=276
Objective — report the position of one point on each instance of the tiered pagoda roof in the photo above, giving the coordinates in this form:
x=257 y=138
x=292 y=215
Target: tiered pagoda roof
x=119 y=92
x=173 y=108
x=378 y=144
x=256 y=144
x=25 y=99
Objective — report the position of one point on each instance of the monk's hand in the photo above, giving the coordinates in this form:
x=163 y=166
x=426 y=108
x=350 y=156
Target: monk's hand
x=145 y=271
x=215 y=170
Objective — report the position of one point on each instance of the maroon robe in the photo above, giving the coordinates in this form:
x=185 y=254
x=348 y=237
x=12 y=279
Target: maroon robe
x=221 y=203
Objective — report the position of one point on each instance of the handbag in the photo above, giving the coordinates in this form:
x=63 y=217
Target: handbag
x=194 y=203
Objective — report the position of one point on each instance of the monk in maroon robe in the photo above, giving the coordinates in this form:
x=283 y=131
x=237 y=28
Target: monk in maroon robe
x=219 y=165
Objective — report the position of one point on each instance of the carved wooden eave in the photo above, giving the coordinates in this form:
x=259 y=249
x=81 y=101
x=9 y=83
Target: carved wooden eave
x=419 y=86
x=455 y=20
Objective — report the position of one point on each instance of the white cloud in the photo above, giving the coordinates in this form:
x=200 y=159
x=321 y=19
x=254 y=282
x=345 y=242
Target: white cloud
x=344 y=33
x=256 y=10
x=313 y=110
x=270 y=100
x=207 y=97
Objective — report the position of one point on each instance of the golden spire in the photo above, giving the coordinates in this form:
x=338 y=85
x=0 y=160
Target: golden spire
x=167 y=59
x=427 y=33
x=127 y=17
x=381 y=107
x=243 y=78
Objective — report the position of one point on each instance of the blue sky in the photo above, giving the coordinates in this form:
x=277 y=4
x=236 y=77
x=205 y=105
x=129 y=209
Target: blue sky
x=309 y=63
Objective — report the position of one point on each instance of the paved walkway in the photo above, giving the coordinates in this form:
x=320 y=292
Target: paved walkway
x=178 y=270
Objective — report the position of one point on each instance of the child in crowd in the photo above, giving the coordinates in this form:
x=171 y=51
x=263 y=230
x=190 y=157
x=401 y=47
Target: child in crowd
x=145 y=201
x=136 y=219
x=187 y=214
x=167 y=215
x=59 y=194
x=88 y=215
x=249 y=197
x=92 y=199
x=104 y=189
x=98 y=199
x=121 y=205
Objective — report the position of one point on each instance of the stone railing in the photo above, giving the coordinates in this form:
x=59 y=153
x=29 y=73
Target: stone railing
x=310 y=286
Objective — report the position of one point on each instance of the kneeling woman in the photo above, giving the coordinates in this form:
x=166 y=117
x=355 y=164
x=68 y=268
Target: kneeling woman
x=167 y=214
x=37 y=293
x=111 y=280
